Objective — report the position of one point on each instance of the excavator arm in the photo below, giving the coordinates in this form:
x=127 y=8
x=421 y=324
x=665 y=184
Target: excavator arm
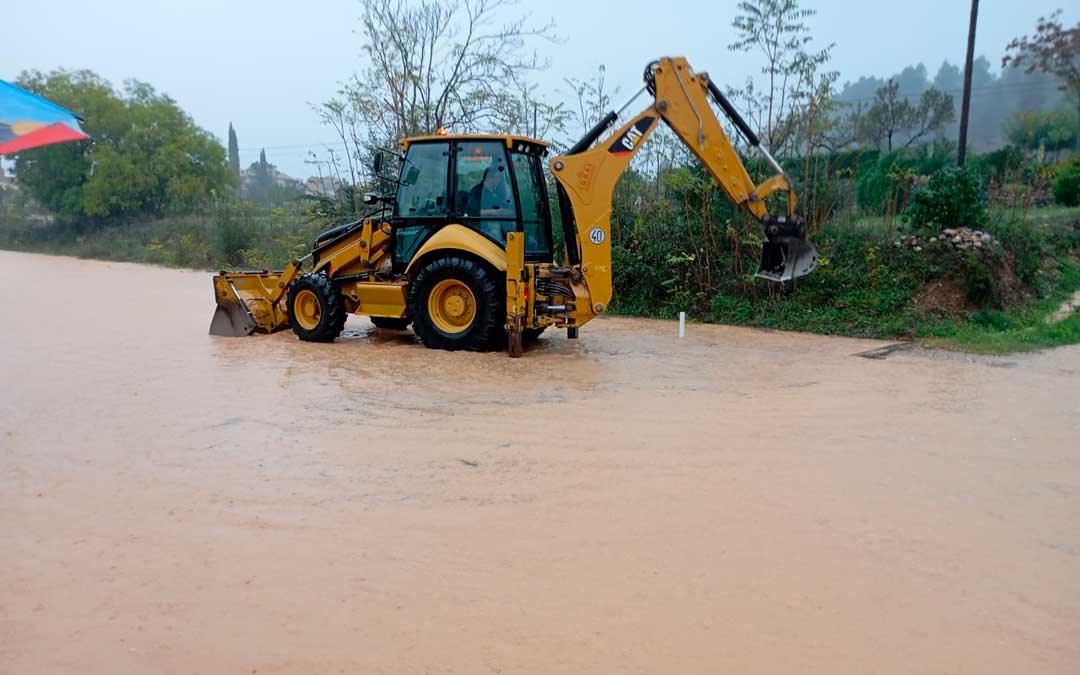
x=586 y=176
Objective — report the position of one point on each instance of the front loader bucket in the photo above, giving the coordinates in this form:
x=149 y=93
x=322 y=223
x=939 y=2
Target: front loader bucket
x=249 y=302
x=232 y=320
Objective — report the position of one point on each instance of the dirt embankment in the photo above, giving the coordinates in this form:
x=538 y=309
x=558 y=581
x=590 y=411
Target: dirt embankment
x=738 y=501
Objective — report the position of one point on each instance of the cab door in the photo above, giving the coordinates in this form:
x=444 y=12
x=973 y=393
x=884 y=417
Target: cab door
x=422 y=205
x=484 y=191
x=531 y=191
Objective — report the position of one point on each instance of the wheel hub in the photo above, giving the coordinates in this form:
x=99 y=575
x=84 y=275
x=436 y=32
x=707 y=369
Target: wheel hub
x=452 y=306
x=455 y=306
x=307 y=310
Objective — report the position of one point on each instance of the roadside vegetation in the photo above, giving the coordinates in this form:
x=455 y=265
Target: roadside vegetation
x=911 y=247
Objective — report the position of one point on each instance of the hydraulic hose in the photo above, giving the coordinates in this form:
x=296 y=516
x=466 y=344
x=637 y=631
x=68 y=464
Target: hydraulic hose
x=733 y=115
x=594 y=133
x=743 y=127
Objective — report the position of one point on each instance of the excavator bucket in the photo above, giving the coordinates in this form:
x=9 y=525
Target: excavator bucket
x=249 y=302
x=786 y=254
x=788 y=260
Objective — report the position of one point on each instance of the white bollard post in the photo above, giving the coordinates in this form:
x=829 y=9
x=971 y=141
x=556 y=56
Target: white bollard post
x=682 y=324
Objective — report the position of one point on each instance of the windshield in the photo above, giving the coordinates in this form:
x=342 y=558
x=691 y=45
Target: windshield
x=422 y=193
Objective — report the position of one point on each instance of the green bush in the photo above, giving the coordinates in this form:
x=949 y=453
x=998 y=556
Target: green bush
x=731 y=309
x=989 y=318
x=981 y=285
x=1027 y=244
x=953 y=197
x=874 y=189
x=234 y=231
x=1005 y=165
x=1067 y=185
x=976 y=271
x=884 y=181
x=638 y=276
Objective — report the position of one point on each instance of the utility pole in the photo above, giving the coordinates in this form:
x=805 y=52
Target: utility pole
x=965 y=105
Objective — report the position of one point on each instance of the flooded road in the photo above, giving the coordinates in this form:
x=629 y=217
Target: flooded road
x=738 y=501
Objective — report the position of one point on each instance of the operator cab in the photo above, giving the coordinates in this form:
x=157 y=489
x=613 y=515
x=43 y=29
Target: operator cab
x=490 y=184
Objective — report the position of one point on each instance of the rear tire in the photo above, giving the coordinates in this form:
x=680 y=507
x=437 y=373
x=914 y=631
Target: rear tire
x=316 y=309
x=458 y=303
x=390 y=323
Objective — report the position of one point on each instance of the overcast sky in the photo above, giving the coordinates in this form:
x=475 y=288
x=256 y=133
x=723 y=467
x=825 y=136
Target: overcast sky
x=260 y=63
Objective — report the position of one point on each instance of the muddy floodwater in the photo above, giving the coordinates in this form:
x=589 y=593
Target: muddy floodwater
x=738 y=501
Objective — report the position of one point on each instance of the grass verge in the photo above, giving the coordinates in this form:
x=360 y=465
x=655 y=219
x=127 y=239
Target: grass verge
x=1015 y=329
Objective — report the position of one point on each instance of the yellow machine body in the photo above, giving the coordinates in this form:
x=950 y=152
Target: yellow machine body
x=251 y=302
x=255 y=301
x=355 y=263
x=458 y=238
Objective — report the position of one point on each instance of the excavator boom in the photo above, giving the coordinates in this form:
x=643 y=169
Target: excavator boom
x=683 y=99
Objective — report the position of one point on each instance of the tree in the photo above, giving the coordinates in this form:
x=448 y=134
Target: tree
x=234 y=151
x=778 y=29
x=981 y=75
x=433 y=64
x=261 y=185
x=934 y=111
x=1045 y=133
x=528 y=114
x=887 y=116
x=948 y=78
x=913 y=80
x=147 y=156
x=994 y=99
x=892 y=116
x=593 y=98
x=437 y=63
x=860 y=90
x=1053 y=49
x=264 y=184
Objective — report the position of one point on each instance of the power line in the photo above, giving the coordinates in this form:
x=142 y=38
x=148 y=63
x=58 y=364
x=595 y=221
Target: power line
x=984 y=90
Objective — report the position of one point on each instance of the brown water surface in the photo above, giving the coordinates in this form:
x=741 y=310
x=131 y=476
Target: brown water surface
x=738 y=501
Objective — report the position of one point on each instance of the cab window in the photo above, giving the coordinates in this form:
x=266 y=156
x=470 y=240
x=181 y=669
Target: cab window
x=422 y=193
x=530 y=191
x=485 y=198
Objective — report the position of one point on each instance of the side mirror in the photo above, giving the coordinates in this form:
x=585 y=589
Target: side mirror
x=376 y=163
x=371 y=198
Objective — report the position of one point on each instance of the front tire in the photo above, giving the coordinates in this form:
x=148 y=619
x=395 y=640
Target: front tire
x=458 y=303
x=316 y=309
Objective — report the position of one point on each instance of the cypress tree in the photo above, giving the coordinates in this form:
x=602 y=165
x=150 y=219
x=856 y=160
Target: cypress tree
x=234 y=151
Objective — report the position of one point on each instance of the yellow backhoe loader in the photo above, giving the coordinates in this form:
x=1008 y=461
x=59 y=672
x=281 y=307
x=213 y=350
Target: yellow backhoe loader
x=463 y=250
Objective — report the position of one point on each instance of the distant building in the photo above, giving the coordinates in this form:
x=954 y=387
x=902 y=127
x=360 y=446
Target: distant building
x=280 y=179
x=321 y=186
x=286 y=184
x=284 y=180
